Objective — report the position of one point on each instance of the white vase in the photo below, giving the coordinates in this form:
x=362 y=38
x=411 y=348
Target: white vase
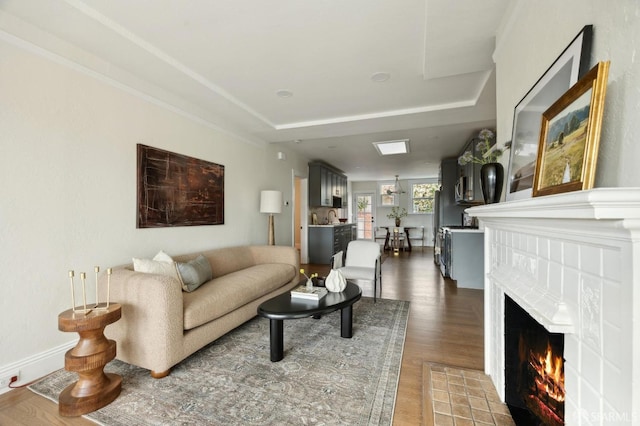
x=335 y=282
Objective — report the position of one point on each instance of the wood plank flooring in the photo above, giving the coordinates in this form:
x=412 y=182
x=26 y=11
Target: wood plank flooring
x=445 y=326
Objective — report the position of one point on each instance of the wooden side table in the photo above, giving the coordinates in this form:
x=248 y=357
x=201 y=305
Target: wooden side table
x=94 y=389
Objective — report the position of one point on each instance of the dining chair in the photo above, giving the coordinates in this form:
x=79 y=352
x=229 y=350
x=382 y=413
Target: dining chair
x=380 y=233
x=419 y=236
x=363 y=263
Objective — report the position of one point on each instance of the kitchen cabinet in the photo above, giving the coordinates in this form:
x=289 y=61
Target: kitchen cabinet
x=468 y=190
x=342 y=191
x=449 y=212
x=319 y=187
x=339 y=185
x=327 y=240
x=325 y=183
x=446 y=211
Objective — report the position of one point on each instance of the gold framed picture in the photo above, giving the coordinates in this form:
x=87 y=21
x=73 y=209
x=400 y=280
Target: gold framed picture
x=570 y=136
x=565 y=71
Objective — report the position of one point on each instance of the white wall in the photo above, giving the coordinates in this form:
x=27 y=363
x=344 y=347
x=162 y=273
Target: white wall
x=533 y=35
x=68 y=192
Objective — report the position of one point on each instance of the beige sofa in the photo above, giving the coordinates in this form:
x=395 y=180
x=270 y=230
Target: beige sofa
x=161 y=324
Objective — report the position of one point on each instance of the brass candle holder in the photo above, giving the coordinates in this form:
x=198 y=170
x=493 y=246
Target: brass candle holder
x=96 y=269
x=97 y=306
x=105 y=306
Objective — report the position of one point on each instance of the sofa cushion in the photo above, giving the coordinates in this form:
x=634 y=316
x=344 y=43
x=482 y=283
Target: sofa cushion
x=194 y=273
x=227 y=293
x=230 y=259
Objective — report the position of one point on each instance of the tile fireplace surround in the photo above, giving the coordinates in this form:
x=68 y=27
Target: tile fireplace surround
x=572 y=261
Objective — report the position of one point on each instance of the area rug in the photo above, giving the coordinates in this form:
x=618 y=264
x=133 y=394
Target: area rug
x=322 y=380
x=457 y=396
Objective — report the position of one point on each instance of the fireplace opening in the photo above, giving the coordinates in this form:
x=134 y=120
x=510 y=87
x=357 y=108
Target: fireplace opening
x=534 y=369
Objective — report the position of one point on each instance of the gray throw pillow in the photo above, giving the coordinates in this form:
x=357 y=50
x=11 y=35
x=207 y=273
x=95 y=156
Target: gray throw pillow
x=194 y=273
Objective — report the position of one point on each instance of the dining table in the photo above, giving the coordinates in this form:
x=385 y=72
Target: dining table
x=388 y=239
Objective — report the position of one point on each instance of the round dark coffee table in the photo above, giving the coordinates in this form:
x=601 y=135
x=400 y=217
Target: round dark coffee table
x=285 y=307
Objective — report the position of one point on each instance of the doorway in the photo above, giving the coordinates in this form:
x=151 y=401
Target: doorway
x=365 y=215
x=300 y=215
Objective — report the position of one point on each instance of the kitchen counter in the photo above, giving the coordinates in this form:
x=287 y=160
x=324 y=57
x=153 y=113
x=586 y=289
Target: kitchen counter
x=331 y=225
x=463 y=229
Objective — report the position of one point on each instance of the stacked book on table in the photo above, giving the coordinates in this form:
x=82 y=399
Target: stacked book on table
x=308 y=293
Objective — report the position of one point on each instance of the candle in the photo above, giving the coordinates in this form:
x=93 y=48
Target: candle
x=73 y=297
x=108 y=285
x=83 y=277
x=97 y=269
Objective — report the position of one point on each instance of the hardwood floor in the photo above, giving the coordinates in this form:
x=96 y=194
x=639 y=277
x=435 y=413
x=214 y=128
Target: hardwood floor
x=445 y=326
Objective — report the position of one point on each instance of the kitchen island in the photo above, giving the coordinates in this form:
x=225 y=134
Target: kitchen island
x=327 y=240
x=462 y=256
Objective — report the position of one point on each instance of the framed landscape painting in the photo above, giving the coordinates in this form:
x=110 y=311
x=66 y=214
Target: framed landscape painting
x=176 y=190
x=570 y=136
x=565 y=71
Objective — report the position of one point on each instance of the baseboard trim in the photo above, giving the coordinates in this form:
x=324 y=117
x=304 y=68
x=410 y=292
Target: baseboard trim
x=37 y=366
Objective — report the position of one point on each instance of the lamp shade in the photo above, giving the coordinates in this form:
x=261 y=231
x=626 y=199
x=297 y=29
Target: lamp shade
x=270 y=201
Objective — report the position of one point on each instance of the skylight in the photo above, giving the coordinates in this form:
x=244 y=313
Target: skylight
x=400 y=146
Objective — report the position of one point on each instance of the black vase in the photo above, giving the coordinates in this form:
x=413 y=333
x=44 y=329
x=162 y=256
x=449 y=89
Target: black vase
x=491 y=179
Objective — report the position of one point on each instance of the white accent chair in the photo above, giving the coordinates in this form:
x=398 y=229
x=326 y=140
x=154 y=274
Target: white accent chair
x=363 y=263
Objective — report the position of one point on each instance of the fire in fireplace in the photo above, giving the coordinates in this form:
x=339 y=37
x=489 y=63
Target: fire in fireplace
x=534 y=369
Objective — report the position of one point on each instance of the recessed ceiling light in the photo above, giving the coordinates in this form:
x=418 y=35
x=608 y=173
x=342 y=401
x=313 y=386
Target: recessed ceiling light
x=400 y=146
x=284 y=93
x=380 y=77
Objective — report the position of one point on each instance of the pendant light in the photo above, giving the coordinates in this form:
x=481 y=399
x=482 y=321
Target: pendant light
x=397 y=188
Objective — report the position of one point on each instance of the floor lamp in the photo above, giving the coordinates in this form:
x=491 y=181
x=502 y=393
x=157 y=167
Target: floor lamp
x=271 y=202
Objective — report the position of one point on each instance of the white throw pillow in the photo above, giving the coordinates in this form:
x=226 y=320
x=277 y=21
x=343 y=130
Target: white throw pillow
x=162 y=257
x=161 y=264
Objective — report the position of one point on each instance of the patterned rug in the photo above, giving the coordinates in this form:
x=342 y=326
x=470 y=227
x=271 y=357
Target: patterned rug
x=461 y=397
x=323 y=378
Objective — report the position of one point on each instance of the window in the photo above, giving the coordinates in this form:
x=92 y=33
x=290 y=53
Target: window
x=422 y=195
x=387 y=199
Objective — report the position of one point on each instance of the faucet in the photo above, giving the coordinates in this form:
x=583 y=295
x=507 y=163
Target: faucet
x=335 y=216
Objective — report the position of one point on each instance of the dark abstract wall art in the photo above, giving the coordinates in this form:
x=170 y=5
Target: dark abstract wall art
x=176 y=190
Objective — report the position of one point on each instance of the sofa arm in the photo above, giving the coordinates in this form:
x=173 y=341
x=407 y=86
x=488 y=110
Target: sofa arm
x=150 y=332
x=276 y=254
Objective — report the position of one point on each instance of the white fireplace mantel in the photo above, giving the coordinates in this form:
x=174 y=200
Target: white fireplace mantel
x=572 y=261
x=598 y=204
